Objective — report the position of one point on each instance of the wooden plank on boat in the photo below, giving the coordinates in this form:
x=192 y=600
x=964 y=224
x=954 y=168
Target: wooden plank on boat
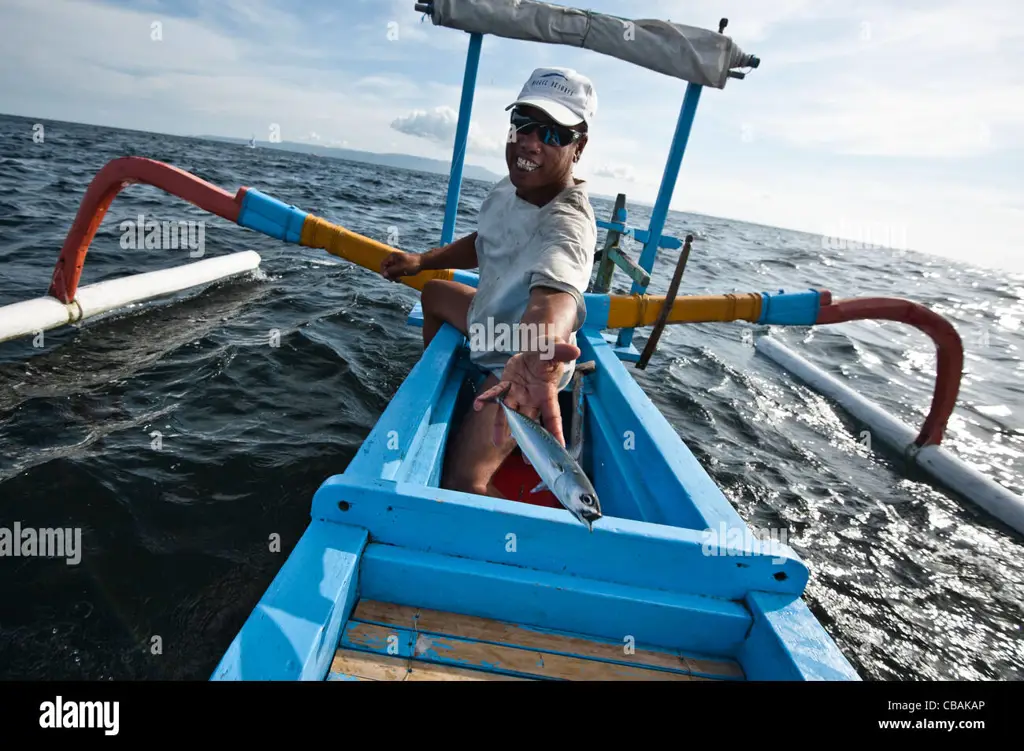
x=365 y=666
x=331 y=676
x=426 y=671
x=554 y=602
x=468 y=653
x=439 y=623
x=351 y=664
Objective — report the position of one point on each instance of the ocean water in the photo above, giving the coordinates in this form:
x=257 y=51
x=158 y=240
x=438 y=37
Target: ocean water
x=184 y=445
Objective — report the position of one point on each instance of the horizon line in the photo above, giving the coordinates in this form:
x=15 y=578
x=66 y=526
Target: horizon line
x=208 y=137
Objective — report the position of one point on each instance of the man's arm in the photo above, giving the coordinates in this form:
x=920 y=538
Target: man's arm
x=553 y=312
x=460 y=254
x=531 y=375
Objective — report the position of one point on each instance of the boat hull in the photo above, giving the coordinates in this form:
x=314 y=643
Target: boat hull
x=670 y=573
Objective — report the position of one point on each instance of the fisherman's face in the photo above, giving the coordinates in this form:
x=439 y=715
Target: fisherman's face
x=554 y=162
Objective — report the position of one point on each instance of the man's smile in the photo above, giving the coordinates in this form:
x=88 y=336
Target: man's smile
x=526 y=165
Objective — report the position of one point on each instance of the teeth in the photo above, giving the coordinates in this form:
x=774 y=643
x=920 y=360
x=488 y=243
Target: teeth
x=527 y=165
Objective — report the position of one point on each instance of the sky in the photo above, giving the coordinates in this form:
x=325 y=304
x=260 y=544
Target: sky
x=897 y=123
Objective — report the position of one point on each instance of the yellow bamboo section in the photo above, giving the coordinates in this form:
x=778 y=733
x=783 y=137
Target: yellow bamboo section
x=634 y=311
x=359 y=249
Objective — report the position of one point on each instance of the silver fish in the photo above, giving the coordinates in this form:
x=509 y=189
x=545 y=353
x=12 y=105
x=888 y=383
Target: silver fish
x=556 y=467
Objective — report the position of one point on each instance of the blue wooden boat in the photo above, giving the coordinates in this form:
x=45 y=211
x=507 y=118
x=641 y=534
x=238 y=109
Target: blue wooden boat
x=396 y=578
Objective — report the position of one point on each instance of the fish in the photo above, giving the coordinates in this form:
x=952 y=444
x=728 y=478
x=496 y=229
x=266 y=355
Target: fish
x=574 y=453
x=558 y=469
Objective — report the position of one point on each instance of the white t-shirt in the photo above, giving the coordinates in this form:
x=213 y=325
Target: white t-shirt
x=520 y=246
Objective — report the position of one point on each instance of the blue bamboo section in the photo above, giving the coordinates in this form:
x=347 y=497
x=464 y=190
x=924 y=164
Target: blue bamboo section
x=790 y=308
x=270 y=216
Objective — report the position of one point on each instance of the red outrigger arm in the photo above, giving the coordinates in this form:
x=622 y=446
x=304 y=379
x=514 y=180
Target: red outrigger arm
x=111 y=180
x=948 y=345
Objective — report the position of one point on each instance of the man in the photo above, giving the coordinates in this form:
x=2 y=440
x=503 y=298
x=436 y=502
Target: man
x=534 y=248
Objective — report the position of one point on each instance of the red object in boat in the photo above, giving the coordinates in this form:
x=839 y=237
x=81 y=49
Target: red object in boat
x=515 y=479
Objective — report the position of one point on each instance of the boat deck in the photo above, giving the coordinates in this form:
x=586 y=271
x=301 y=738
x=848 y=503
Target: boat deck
x=388 y=642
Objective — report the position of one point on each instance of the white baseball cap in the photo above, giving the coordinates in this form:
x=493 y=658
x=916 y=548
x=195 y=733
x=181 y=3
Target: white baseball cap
x=562 y=93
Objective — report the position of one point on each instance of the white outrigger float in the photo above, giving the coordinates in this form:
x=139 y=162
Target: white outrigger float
x=397 y=578
x=947 y=469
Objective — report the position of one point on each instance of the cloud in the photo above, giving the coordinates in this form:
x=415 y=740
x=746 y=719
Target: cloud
x=869 y=118
x=913 y=82
x=622 y=172
x=750 y=21
x=100 y=64
x=439 y=126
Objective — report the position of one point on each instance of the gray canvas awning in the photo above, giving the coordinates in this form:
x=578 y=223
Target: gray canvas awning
x=692 y=54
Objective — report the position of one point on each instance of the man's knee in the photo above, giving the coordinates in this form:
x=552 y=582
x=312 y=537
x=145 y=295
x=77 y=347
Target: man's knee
x=464 y=480
x=446 y=301
x=469 y=485
x=443 y=291
x=429 y=297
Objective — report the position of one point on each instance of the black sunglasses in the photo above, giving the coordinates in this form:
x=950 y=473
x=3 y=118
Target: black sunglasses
x=552 y=135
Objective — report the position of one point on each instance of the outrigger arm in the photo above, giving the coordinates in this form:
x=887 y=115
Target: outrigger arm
x=255 y=210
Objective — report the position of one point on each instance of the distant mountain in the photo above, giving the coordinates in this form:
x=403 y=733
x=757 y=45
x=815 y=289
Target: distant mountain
x=400 y=161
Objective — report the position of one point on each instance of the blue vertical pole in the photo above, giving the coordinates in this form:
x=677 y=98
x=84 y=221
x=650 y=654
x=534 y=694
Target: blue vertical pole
x=668 y=183
x=461 y=139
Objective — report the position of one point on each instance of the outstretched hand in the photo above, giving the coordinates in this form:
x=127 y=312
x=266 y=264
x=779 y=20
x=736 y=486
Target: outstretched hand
x=530 y=385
